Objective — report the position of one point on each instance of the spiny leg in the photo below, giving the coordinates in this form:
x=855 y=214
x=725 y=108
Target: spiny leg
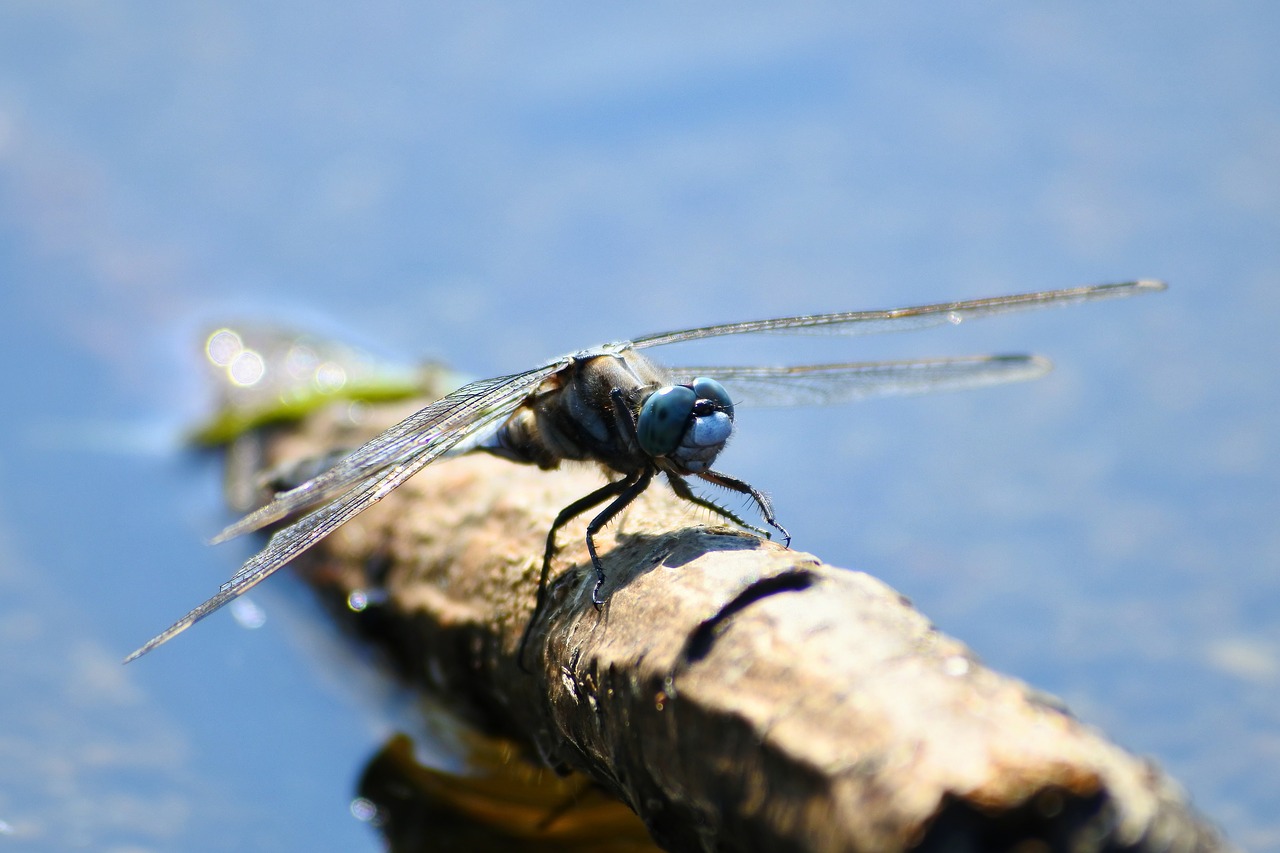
x=620 y=503
x=682 y=490
x=766 y=508
x=572 y=511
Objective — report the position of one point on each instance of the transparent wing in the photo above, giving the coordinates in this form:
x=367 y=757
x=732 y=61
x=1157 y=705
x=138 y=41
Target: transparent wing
x=902 y=319
x=432 y=430
x=828 y=384
x=362 y=479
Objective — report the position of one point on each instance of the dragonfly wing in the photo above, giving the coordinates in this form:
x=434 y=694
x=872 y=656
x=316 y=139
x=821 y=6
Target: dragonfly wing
x=378 y=468
x=902 y=319
x=288 y=543
x=435 y=428
x=827 y=384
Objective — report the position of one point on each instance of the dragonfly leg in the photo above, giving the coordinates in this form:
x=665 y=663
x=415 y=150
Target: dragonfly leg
x=681 y=487
x=572 y=511
x=631 y=492
x=762 y=501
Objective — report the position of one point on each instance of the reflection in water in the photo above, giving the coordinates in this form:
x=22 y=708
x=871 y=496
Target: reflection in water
x=504 y=803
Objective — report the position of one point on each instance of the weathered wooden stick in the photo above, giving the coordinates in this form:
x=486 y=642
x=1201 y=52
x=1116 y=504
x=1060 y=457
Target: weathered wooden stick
x=737 y=695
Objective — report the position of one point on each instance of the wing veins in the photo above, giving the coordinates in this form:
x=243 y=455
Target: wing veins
x=826 y=384
x=444 y=418
x=492 y=400
x=903 y=319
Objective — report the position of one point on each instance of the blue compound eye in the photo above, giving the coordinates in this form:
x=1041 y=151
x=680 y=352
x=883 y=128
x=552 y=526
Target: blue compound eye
x=664 y=417
x=706 y=388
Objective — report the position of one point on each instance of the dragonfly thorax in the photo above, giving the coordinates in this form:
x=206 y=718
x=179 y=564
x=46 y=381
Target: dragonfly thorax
x=622 y=410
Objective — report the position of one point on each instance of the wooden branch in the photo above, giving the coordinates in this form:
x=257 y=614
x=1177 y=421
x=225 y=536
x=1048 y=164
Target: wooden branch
x=737 y=695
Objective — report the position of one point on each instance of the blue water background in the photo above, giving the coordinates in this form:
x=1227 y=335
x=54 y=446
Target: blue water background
x=493 y=184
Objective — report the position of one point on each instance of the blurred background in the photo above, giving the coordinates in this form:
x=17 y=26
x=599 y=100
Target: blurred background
x=494 y=184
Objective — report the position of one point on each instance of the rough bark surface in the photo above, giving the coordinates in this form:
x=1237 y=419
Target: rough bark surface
x=737 y=695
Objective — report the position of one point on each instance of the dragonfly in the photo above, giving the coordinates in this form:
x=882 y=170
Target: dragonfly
x=613 y=405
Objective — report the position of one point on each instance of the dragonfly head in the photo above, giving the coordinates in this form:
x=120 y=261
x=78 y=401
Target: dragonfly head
x=686 y=424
